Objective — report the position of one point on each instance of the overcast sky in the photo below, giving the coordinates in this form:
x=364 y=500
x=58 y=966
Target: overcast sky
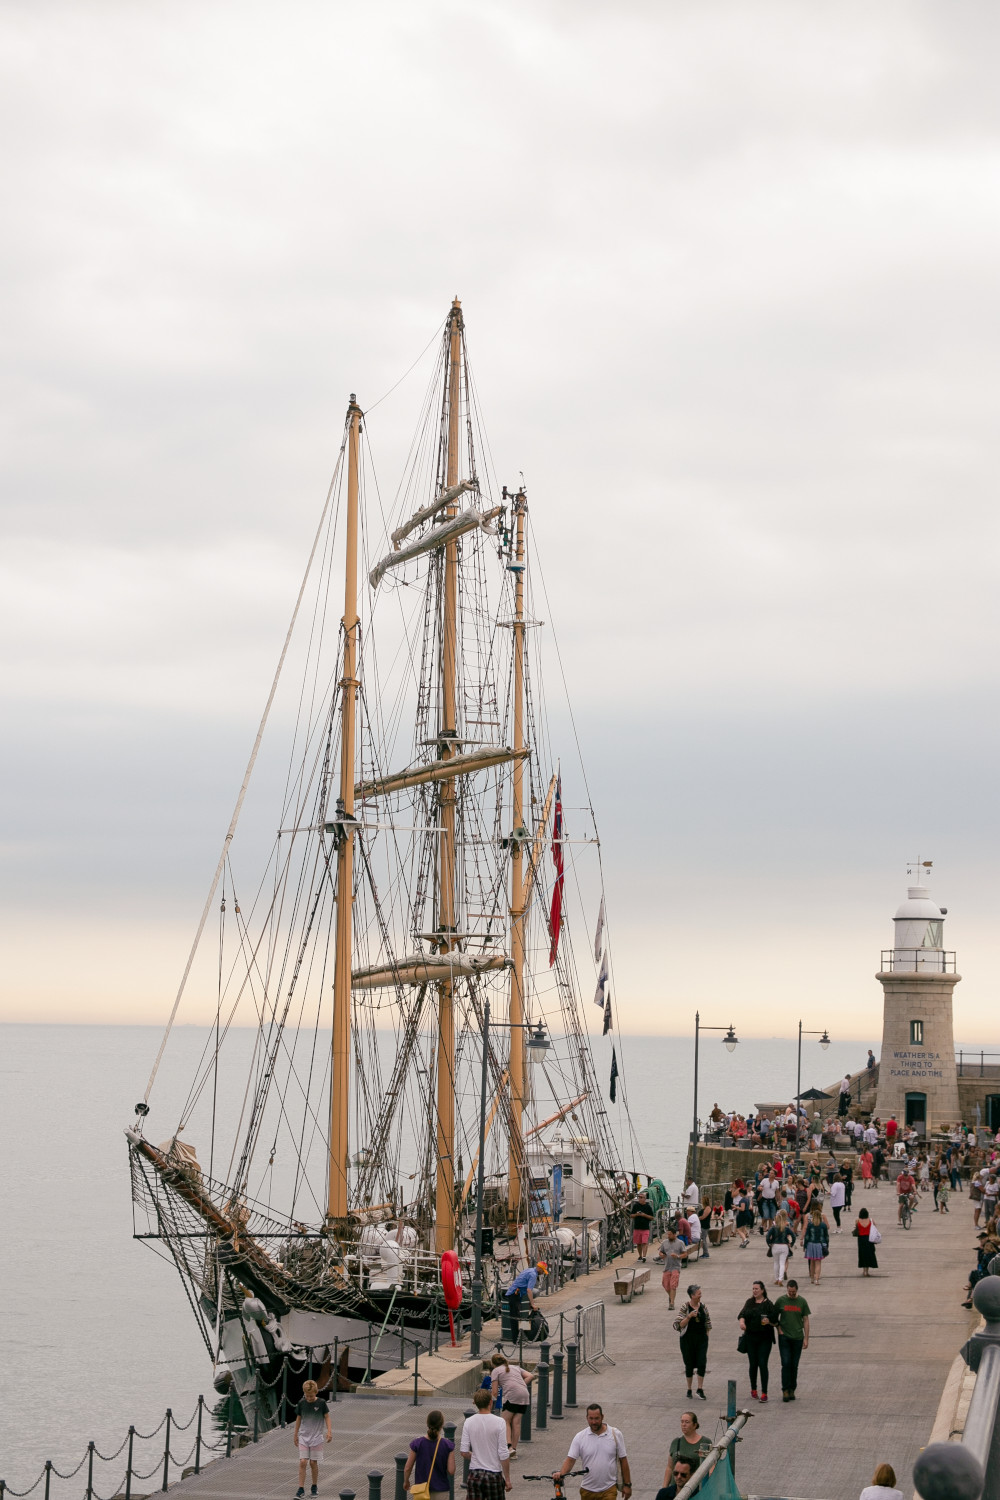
x=729 y=274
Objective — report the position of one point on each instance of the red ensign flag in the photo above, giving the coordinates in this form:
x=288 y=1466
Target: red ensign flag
x=555 y=915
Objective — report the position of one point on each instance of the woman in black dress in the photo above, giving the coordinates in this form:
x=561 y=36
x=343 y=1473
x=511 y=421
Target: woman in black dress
x=757 y=1319
x=866 y=1250
x=694 y=1324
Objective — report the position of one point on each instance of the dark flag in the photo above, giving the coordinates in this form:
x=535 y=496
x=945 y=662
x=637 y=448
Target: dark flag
x=614 y=1073
x=607 y=1015
x=555 y=915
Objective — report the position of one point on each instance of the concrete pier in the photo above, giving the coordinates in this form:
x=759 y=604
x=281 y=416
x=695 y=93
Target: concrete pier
x=881 y=1354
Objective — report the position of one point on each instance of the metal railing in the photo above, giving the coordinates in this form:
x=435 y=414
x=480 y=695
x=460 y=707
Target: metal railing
x=962 y=1054
x=970 y=1468
x=591 y=1335
x=918 y=961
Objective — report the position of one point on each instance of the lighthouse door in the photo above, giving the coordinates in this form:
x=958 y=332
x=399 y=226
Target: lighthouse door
x=993 y=1111
x=916 y=1111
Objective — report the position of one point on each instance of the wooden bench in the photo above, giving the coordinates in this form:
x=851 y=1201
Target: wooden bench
x=628 y=1283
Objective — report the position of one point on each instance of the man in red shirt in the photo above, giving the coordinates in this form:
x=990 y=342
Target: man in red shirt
x=905 y=1185
x=890 y=1129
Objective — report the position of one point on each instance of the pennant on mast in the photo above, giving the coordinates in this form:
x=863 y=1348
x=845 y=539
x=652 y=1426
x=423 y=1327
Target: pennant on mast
x=555 y=914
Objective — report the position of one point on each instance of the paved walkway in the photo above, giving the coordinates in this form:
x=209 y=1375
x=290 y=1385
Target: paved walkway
x=869 y=1384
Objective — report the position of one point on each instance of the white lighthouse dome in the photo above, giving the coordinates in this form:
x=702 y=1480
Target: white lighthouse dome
x=918 y=904
x=918 y=943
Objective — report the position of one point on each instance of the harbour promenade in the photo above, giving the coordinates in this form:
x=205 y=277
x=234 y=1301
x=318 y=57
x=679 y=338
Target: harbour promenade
x=870 y=1383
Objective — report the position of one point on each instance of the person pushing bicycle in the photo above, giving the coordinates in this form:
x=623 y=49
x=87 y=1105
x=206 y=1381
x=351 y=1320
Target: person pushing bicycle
x=600 y=1448
x=906 y=1193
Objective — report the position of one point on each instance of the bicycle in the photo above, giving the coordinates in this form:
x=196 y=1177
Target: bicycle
x=905 y=1211
x=560 y=1493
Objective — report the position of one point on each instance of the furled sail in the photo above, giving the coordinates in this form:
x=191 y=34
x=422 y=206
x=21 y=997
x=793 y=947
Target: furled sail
x=448 y=531
x=441 y=770
x=421 y=969
x=426 y=511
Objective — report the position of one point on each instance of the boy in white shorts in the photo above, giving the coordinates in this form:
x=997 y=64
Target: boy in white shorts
x=312 y=1430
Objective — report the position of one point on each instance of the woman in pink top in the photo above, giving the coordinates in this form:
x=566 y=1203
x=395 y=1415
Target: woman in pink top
x=866 y=1167
x=512 y=1383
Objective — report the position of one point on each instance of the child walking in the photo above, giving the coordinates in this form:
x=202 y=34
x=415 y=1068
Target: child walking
x=312 y=1430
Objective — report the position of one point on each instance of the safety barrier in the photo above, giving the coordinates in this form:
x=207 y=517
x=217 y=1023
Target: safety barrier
x=591 y=1335
x=970 y=1469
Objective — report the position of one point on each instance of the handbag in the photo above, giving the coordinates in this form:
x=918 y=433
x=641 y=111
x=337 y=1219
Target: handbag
x=422 y=1491
x=874 y=1238
x=743 y=1344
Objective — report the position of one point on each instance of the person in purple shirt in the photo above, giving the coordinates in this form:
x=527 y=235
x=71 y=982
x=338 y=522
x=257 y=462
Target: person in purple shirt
x=431 y=1457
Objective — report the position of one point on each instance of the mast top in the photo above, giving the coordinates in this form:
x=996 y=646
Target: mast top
x=455 y=316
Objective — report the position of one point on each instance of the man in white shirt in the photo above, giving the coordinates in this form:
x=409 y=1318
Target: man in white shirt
x=871 y=1137
x=691 y=1196
x=484 y=1443
x=598 y=1449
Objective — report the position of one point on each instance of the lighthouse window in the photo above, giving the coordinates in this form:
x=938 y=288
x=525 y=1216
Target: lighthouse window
x=934 y=936
x=916 y=1033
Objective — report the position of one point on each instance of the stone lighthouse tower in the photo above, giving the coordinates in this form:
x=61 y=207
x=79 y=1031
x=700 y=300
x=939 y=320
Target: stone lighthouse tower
x=917 y=1077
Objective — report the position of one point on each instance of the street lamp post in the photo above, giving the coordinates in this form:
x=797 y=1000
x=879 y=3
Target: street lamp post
x=824 y=1042
x=538 y=1045
x=730 y=1040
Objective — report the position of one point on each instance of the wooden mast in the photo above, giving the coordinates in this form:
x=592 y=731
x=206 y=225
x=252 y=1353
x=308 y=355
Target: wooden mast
x=517 y=902
x=444 y=1203
x=340 y=1085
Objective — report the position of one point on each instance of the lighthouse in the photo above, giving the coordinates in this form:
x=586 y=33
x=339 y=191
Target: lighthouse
x=917 y=1077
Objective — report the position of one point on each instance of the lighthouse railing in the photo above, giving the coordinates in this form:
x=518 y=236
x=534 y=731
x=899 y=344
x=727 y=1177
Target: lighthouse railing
x=918 y=960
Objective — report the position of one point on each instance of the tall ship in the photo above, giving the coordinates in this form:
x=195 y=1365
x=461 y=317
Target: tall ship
x=384 y=969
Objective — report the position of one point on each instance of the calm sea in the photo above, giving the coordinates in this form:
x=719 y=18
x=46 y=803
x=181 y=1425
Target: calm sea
x=97 y=1332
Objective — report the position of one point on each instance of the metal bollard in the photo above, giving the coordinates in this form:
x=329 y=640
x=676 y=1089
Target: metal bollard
x=374 y=1485
x=416 y=1376
x=557 y=1385
x=256 y=1406
x=572 y=1355
x=400 y=1461
x=347 y=1495
x=449 y=1432
x=90 y=1474
x=467 y=1461
x=526 y=1420
x=48 y=1477
x=544 y=1350
x=542 y=1375
x=336 y=1369
x=128 y=1471
x=197 y=1438
x=166 y=1454
x=402 y=1342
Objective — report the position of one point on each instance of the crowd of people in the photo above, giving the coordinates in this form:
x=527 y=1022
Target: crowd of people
x=796 y=1209
x=786 y=1208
